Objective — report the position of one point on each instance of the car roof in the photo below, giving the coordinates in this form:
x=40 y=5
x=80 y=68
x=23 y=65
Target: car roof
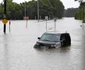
x=55 y=32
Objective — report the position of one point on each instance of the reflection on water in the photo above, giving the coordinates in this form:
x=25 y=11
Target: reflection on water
x=6 y=55
x=59 y=49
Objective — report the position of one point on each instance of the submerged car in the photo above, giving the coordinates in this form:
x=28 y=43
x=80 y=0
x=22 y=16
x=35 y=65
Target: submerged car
x=53 y=39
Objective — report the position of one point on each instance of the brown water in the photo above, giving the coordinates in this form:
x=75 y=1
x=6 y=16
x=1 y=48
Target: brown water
x=17 y=52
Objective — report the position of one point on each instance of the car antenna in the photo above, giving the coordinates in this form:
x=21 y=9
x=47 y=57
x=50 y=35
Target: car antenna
x=66 y=31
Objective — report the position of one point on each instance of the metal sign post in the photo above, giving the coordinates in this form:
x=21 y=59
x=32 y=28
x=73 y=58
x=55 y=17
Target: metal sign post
x=46 y=25
x=38 y=10
x=4 y=21
x=26 y=23
x=26 y=18
x=4 y=15
x=54 y=24
x=9 y=26
x=46 y=18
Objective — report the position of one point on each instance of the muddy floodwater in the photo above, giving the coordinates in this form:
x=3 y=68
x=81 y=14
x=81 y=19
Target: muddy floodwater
x=17 y=52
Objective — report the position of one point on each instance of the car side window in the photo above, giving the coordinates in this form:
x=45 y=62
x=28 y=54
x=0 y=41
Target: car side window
x=66 y=37
x=62 y=37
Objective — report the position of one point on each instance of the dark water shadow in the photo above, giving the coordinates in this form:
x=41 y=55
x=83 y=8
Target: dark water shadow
x=57 y=50
x=6 y=51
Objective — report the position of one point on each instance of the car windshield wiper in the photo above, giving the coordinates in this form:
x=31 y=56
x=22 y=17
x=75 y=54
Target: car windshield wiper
x=45 y=40
x=50 y=40
x=56 y=41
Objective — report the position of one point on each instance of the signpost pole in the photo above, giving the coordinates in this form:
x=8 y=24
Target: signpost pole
x=46 y=18
x=46 y=24
x=54 y=24
x=9 y=25
x=26 y=23
x=4 y=15
x=38 y=10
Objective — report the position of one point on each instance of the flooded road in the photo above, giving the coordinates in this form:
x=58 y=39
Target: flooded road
x=17 y=52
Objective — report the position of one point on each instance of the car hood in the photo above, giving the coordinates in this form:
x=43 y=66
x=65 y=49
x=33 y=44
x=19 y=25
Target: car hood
x=46 y=42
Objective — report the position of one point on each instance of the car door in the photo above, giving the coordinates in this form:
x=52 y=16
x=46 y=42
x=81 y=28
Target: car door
x=66 y=39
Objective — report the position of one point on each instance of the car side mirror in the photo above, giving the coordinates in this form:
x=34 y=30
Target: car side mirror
x=39 y=38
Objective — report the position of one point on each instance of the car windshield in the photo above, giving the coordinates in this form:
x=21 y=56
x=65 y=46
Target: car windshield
x=50 y=37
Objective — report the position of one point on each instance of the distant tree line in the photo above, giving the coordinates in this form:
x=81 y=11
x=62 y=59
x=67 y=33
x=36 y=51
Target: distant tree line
x=80 y=15
x=70 y=12
x=50 y=8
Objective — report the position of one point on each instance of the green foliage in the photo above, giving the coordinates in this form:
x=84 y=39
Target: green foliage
x=80 y=15
x=51 y=8
x=1 y=11
x=13 y=10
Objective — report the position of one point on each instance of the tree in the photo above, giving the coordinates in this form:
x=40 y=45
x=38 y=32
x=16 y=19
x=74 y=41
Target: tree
x=51 y=8
x=1 y=11
x=70 y=12
x=80 y=14
x=13 y=10
x=54 y=8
